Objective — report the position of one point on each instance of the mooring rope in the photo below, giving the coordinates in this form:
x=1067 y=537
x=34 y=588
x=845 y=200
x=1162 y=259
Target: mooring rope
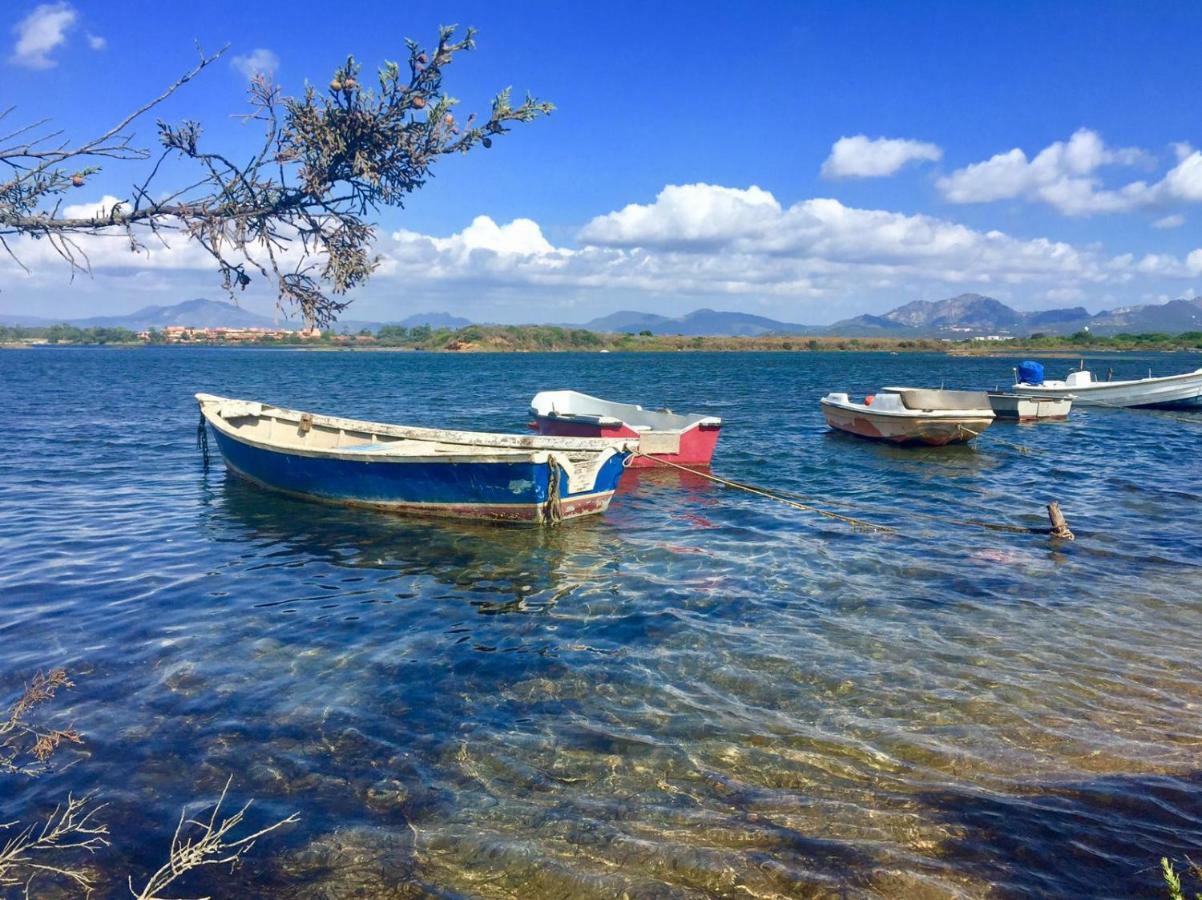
x=787 y=497
x=202 y=441
x=1024 y=450
x=553 y=508
x=972 y=523
x=771 y=495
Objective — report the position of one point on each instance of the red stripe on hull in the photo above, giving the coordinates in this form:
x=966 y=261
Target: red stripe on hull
x=696 y=444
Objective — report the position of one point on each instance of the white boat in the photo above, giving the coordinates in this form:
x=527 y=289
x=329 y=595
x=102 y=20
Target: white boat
x=911 y=415
x=1168 y=392
x=1029 y=409
x=683 y=439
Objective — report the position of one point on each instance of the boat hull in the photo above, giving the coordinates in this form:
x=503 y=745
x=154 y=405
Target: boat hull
x=1030 y=409
x=1168 y=392
x=906 y=431
x=663 y=436
x=688 y=447
x=493 y=491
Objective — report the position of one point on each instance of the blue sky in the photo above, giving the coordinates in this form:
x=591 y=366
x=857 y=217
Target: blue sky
x=807 y=161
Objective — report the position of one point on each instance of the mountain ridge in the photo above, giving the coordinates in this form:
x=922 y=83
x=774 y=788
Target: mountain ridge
x=963 y=316
x=200 y=312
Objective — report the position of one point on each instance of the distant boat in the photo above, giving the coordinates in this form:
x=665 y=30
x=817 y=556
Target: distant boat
x=418 y=471
x=1029 y=409
x=683 y=439
x=911 y=415
x=1168 y=392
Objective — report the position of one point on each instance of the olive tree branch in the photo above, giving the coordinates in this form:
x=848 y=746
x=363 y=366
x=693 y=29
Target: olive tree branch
x=296 y=212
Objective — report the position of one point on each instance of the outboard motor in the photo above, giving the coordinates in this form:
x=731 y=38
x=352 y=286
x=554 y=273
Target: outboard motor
x=1030 y=372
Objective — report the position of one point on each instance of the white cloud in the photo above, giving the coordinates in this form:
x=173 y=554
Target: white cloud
x=864 y=157
x=521 y=237
x=1065 y=176
x=708 y=239
x=692 y=244
x=259 y=61
x=707 y=218
x=684 y=215
x=1064 y=295
x=39 y=33
x=1176 y=220
x=1184 y=181
x=90 y=210
x=97 y=42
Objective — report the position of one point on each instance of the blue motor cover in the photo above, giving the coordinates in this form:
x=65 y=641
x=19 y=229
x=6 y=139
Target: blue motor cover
x=1030 y=372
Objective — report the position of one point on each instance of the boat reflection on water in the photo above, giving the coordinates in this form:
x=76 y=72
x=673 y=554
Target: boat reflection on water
x=502 y=569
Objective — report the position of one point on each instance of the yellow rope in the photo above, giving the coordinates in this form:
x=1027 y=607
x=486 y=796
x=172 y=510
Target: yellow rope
x=996 y=440
x=784 y=497
x=848 y=520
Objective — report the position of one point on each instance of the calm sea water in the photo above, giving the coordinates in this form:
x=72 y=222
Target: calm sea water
x=700 y=693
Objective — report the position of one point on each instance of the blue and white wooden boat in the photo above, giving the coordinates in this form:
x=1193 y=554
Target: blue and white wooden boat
x=419 y=471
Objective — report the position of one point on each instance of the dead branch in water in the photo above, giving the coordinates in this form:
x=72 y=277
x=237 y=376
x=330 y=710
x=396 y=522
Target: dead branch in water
x=25 y=748
x=70 y=827
x=206 y=847
x=46 y=850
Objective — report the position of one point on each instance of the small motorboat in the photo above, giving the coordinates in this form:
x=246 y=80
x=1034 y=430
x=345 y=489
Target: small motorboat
x=419 y=471
x=911 y=415
x=1166 y=392
x=1029 y=409
x=661 y=434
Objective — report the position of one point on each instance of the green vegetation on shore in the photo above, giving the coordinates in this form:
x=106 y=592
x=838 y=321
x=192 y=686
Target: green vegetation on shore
x=66 y=334
x=550 y=338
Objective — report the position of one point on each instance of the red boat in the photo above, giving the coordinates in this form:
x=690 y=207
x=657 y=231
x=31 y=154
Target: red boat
x=688 y=440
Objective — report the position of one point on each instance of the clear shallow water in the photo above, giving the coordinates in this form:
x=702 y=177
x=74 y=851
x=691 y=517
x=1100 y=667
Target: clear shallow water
x=701 y=693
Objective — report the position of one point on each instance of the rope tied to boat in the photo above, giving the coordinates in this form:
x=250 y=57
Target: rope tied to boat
x=553 y=508
x=1059 y=527
x=202 y=441
x=858 y=524
x=1024 y=450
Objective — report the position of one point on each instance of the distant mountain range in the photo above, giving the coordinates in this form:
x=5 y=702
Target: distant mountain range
x=968 y=315
x=971 y=315
x=202 y=313
x=698 y=322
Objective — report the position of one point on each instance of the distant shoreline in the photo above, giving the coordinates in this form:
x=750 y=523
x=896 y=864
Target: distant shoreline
x=827 y=346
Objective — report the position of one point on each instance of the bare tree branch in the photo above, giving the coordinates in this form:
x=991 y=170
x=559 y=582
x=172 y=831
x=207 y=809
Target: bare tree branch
x=210 y=843
x=296 y=212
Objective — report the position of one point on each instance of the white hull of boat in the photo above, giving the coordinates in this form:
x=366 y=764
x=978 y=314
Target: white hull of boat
x=903 y=416
x=1169 y=392
x=1030 y=409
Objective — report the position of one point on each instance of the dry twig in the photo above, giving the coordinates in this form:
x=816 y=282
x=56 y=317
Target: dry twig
x=25 y=748
x=69 y=827
x=211 y=845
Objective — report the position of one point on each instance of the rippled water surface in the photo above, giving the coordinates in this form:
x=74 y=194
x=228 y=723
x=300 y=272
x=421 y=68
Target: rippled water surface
x=700 y=693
